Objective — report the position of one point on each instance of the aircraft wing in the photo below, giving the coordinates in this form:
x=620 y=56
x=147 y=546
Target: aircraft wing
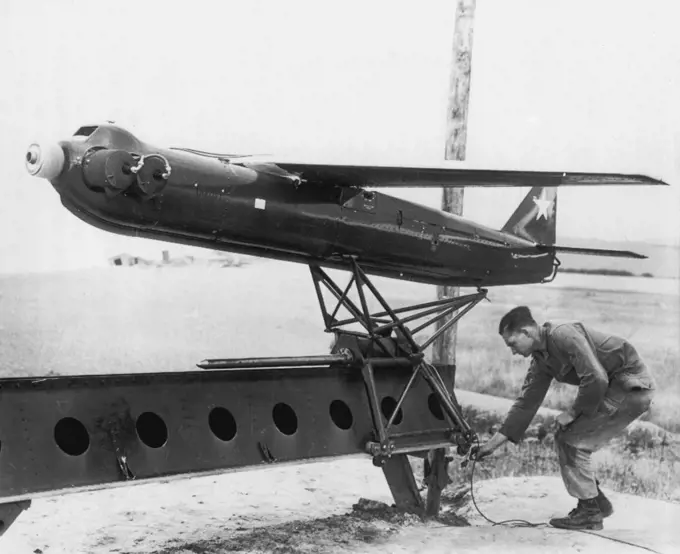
x=381 y=176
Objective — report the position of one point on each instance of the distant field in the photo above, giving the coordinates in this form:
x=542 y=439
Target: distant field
x=134 y=319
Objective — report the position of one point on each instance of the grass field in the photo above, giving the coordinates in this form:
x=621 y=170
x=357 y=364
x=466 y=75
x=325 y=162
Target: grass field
x=133 y=320
x=644 y=460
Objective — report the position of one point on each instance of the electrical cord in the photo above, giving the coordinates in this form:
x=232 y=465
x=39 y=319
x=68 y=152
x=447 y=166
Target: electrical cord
x=524 y=523
x=511 y=522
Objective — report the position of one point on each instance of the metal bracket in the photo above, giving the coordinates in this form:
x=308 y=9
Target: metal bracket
x=266 y=453
x=121 y=457
x=556 y=267
x=118 y=425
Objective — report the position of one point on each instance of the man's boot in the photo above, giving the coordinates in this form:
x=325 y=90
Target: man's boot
x=587 y=515
x=603 y=502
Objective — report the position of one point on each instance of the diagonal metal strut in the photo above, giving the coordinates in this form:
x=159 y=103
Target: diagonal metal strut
x=383 y=323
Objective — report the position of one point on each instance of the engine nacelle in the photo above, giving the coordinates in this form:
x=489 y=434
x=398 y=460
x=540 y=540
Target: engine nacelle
x=108 y=170
x=153 y=172
x=116 y=171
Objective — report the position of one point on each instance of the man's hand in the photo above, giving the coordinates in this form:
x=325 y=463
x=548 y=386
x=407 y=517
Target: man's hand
x=483 y=451
x=488 y=447
x=564 y=419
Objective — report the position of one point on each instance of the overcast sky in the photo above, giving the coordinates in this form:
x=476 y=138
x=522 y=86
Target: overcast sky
x=574 y=85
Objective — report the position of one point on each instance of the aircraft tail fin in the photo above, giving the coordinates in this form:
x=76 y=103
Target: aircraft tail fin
x=535 y=217
x=535 y=220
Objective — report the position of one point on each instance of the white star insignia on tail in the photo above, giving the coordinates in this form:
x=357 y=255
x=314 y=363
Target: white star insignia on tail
x=544 y=205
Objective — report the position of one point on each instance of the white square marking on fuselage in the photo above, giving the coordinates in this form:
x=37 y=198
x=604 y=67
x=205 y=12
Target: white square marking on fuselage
x=260 y=203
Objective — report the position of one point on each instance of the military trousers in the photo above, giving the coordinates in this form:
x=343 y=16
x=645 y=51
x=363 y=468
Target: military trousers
x=586 y=434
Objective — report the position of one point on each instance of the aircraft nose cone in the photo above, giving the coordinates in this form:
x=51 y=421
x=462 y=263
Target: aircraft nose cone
x=45 y=161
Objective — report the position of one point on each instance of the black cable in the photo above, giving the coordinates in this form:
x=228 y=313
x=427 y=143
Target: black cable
x=512 y=522
x=618 y=540
x=524 y=523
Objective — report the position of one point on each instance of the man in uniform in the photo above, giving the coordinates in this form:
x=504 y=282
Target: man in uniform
x=614 y=388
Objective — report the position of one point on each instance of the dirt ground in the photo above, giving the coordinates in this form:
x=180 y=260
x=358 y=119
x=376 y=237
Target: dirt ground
x=339 y=506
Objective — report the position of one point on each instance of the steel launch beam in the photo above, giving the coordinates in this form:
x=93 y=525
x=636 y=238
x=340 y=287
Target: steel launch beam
x=61 y=434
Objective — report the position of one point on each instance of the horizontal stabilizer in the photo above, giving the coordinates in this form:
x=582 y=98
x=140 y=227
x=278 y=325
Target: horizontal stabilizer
x=593 y=252
x=383 y=176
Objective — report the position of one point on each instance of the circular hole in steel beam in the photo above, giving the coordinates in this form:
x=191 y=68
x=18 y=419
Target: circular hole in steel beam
x=435 y=406
x=152 y=430
x=222 y=423
x=341 y=414
x=387 y=406
x=71 y=436
x=285 y=419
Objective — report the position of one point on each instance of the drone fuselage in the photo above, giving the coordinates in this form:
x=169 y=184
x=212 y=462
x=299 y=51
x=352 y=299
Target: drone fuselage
x=200 y=200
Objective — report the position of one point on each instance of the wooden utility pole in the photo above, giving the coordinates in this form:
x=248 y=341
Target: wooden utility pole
x=444 y=349
x=456 y=141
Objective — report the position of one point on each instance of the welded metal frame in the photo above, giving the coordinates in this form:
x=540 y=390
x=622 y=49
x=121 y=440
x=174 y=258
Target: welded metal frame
x=378 y=326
